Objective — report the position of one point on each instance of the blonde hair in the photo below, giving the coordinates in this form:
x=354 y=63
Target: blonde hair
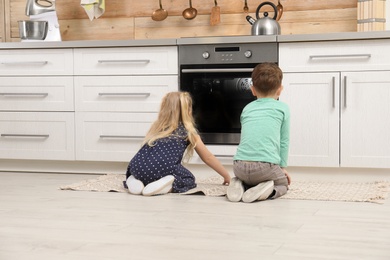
x=176 y=108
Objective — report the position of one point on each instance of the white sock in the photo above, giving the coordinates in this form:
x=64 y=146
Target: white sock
x=159 y=187
x=135 y=186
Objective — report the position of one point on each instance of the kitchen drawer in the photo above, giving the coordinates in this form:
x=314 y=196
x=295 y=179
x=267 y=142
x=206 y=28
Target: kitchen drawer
x=40 y=135
x=36 y=94
x=224 y=153
x=36 y=62
x=122 y=93
x=110 y=136
x=335 y=56
x=126 y=61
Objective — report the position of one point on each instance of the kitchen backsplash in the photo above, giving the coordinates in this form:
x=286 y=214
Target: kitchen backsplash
x=130 y=19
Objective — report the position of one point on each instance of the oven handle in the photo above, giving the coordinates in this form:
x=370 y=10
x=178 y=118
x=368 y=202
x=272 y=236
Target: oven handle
x=216 y=70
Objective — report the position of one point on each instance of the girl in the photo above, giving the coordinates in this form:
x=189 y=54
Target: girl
x=156 y=168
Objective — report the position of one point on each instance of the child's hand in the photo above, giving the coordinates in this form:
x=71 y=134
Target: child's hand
x=287 y=175
x=226 y=180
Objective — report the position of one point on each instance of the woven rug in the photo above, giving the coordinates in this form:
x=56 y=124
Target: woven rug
x=375 y=192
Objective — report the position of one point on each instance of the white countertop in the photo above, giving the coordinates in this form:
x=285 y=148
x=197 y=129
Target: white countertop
x=344 y=36
x=88 y=44
x=200 y=40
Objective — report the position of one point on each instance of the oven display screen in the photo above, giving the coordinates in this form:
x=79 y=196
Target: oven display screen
x=227 y=49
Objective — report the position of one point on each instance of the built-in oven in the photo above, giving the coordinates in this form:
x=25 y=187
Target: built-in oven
x=218 y=77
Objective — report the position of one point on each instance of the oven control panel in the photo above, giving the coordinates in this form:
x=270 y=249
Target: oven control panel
x=228 y=53
x=227 y=57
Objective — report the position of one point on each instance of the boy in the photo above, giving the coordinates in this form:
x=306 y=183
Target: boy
x=261 y=157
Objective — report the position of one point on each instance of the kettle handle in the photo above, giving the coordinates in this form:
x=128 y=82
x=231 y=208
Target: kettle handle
x=267 y=3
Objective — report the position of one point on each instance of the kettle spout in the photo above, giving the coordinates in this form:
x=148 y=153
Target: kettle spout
x=250 y=19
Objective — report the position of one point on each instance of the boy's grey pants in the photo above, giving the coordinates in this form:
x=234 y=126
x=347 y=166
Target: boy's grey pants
x=253 y=173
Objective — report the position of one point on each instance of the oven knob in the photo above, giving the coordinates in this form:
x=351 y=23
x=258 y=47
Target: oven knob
x=248 y=54
x=206 y=55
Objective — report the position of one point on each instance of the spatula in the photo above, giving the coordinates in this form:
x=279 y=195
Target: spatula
x=215 y=17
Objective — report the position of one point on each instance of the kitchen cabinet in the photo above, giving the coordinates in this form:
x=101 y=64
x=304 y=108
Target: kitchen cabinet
x=118 y=92
x=338 y=93
x=122 y=93
x=49 y=93
x=37 y=135
x=105 y=136
x=25 y=62
x=126 y=61
x=313 y=99
x=365 y=119
x=36 y=104
x=70 y=108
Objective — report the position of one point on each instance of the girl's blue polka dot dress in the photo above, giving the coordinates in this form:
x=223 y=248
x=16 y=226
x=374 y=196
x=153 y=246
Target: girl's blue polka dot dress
x=151 y=163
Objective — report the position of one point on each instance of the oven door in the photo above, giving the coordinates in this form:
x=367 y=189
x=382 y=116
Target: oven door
x=219 y=92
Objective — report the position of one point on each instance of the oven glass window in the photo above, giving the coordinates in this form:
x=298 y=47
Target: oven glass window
x=218 y=100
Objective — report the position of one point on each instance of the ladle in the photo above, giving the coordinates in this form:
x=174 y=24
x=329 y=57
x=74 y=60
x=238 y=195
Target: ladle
x=160 y=14
x=246 y=9
x=190 y=13
x=279 y=8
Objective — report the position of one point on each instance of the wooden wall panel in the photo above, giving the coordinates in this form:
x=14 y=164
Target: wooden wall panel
x=2 y=21
x=299 y=22
x=105 y=29
x=131 y=19
x=17 y=12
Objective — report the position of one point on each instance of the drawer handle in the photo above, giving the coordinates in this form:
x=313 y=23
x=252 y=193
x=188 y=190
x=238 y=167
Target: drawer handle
x=25 y=63
x=359 y=56
x=123 y=136
x=24 y=94
x=123 y=61
x=25 y=135
x=125 y=94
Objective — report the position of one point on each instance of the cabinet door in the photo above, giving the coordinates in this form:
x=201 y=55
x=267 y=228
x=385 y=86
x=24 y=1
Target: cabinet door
x=36 y=94
x=122 y=93
x=110 y=136
x=313 y=99
x=36 y=62
x=365 y=119
x=37 y=135
x=335 y=56
x=126 y=61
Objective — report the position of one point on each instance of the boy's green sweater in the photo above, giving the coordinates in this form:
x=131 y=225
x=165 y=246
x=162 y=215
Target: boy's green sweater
x=265 y=132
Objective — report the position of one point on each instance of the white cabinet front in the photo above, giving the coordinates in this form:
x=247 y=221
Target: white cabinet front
x=37 y=135
x=319 y=101
x=126 y=61
x=122 y=93
x=36 y=94
x=110 y=136
x=36 y=62
x=365 y=119
x=313 y=99
x=335 y=56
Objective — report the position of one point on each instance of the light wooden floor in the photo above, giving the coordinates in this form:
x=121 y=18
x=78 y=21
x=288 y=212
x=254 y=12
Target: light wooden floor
x=39 y=221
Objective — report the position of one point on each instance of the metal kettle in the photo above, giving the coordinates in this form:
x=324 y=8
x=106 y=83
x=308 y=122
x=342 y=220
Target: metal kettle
x=265 y=25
